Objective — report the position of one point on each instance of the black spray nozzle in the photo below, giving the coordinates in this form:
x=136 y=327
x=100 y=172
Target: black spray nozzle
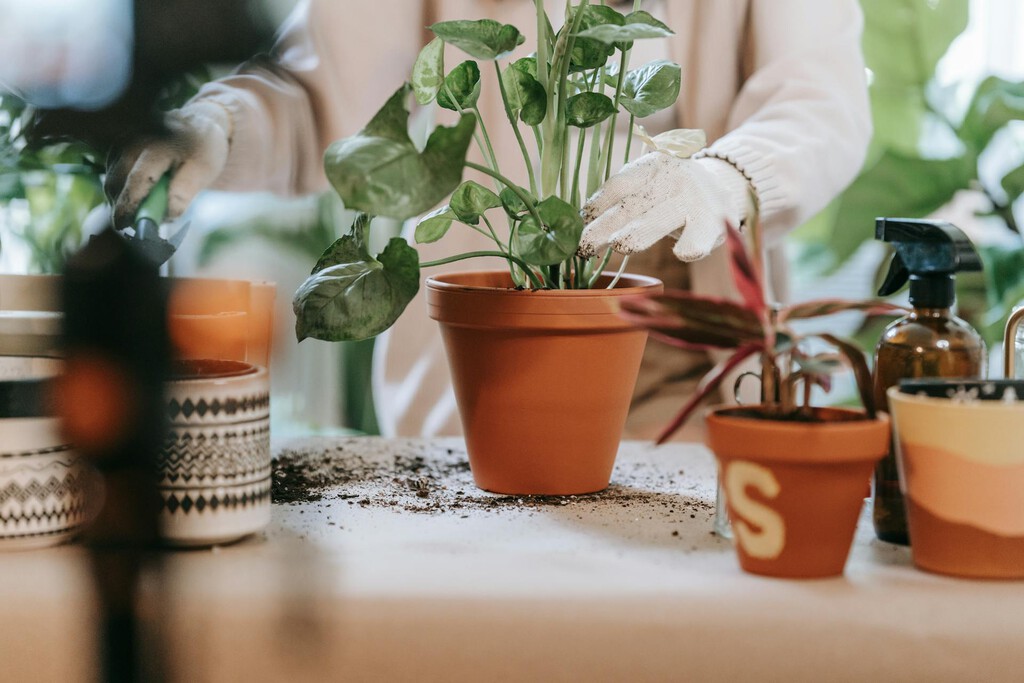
x=928 y=255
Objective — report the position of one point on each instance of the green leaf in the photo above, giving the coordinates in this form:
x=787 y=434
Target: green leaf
x=896 y=185
x=470 y=200
x=484 y=38
x=588 y=53
x=903 y=40
x=464 y=84
x=11 y=187
x=513 y=205
x=610 y=33
x=379 y=170
x=526 y=96
x=428 y=72
x=556 y=240
x=651 y=88
x=588 y=109
x=996 y=102
x=1013 y=184
x=354 y=296
x=434 y=225
x=647 y=19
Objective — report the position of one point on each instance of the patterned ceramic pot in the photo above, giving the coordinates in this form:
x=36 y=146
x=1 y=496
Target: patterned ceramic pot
x=215 y=467
x=42 y=482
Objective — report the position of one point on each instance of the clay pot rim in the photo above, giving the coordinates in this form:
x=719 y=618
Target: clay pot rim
x=228 y=370
x=840 y=441
x=455 y=282
x=936 y=402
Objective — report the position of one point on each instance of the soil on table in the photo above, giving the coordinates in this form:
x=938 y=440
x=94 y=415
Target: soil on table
x=431 y=480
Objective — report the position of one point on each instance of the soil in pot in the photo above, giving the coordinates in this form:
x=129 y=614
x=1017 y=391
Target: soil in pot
x=543 y=379
x=795 y=489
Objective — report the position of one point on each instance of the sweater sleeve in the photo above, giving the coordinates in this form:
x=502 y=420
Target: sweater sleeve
x=800 y=125
x=322 y=84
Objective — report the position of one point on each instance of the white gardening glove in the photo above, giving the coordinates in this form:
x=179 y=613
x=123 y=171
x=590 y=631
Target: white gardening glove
x=661 y=195
x=195 y=151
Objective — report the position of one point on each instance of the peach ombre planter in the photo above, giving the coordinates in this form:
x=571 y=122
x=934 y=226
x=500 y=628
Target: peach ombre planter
x=962 y=475
x=543 y=379
x=795 y=489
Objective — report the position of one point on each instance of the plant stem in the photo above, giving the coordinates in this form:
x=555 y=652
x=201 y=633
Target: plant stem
x=629 y=139
x=494 y=235
x=487 y=138
x=489 y=160
x=610 y=137
x=539 y=140
x=480 y=254
x=575 y=197
x=594 y=164
x=515 y=129
x=622 y=269
x=542 y=42
x=526 y=199
x=561 y=127
x=600 y=269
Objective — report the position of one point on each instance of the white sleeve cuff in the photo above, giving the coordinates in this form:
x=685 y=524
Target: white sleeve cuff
x=755 y=167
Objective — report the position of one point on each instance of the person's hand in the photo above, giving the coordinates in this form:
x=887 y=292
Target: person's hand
x=195 y=151
x=661 y=195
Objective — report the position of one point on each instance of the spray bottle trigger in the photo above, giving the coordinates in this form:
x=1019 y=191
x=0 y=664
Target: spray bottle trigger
x=897 y=276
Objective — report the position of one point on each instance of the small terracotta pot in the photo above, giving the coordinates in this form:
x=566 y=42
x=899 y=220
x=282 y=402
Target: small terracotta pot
x=962 y=475
x=543 y=379
x=214 y=469
x=795 y=489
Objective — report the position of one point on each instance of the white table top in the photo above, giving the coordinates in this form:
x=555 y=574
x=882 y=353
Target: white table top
x=395 y=575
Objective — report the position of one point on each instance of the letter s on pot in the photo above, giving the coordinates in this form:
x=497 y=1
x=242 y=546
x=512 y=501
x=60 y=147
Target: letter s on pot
x=750 y=515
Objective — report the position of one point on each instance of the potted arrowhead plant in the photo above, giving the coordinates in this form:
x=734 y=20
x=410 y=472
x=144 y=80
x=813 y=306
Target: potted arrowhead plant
x=529 y=345
x=794 y=475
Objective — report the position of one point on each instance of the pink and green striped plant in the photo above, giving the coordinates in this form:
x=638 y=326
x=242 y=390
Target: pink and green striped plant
x=754 y=326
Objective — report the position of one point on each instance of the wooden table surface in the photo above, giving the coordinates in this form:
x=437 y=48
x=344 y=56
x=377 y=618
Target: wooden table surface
x=402 y=570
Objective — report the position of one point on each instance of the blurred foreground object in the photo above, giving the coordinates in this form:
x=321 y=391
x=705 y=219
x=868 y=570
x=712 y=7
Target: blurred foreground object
x=98 y=68
x=111 y=400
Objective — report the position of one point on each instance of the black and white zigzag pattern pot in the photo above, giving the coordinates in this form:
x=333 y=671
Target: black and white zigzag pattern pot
x=215 y=466
x=42 y=485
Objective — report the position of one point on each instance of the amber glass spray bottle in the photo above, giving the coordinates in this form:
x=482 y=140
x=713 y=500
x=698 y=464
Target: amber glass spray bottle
x=929 y=342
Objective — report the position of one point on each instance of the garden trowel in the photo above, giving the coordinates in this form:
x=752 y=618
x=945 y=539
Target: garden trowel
x=145 y=235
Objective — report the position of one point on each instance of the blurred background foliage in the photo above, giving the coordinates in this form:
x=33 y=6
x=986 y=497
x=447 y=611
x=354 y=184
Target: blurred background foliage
x=934 y=144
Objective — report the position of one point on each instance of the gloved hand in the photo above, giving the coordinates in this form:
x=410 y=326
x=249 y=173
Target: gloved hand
x=195 y=150
x=661 y=195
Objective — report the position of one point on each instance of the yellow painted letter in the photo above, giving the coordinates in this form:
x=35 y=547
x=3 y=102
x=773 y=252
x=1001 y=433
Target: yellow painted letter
x=767 y=543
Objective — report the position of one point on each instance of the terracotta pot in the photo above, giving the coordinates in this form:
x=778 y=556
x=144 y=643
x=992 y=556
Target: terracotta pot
x=221 y=319
x=795 y=489
x=962 y=474
x=543 y=379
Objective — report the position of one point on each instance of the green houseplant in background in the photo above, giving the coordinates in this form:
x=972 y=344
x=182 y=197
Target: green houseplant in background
x=567 y=94
x=928 y=146
x=58 y=183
